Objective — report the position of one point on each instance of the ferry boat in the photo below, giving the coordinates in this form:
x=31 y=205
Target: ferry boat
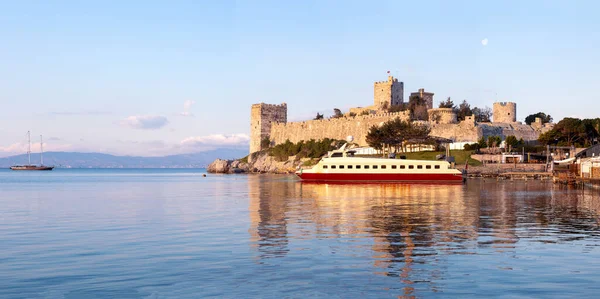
x=342 y=165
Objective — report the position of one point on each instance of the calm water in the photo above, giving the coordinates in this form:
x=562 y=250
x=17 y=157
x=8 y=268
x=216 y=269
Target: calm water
x=176 y=234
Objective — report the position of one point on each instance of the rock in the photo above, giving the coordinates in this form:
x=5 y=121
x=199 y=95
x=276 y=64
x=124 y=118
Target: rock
x=219 y=166
x=261 y=163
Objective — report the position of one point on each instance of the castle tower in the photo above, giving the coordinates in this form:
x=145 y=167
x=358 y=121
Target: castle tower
x=505 y=112
x=442 y=116
x=388 y=93
x=426 y=96
x=261 y=117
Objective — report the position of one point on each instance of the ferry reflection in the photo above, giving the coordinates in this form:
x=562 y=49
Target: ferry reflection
x=408 y=231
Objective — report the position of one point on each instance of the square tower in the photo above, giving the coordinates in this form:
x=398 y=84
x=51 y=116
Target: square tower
x=426 y=96
x=388 y=93
x=261 y=117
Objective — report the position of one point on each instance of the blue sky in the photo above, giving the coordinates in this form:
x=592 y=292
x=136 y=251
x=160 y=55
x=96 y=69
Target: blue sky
x=155 y=77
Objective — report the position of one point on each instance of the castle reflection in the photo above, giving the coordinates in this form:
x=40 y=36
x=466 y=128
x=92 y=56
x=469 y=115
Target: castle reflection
x=409 y=231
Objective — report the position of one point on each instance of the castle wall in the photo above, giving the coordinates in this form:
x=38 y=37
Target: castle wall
x=261 y=117
x=442 y=116
x=505 y=112
x=337 y=128
x=465 y=131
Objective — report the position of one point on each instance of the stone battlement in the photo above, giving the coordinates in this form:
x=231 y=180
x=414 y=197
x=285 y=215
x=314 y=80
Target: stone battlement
x=282 y=105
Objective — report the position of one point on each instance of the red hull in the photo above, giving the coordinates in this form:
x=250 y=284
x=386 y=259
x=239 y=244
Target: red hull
x=382 y=177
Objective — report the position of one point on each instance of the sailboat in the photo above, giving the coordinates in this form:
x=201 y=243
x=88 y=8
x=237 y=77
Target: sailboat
x=29 y=166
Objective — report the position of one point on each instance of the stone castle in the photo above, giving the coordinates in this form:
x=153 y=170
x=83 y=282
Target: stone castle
x=270 y=121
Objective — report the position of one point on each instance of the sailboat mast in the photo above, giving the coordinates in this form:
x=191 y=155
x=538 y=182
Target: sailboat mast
x=29 y=147
x=41 y=151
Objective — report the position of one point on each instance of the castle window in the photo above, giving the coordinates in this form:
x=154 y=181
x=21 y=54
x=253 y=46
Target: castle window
x=419 y=166
x=411 y=166
x=374 y=166
x=394 y=166
x=382 y=166
x=349 y=166
x=402 y=166
x=357 y=166
x=437 y=167
x=324 y=166
x=427 y=166
x=332 y=166
x=366 y=166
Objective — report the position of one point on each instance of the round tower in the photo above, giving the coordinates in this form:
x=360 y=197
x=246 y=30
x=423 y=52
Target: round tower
x=442 y=116
x=505 y=112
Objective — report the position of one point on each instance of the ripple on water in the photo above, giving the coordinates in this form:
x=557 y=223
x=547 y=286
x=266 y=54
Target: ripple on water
x=176 y=235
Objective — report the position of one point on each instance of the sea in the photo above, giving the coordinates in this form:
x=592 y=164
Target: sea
x=175 y=233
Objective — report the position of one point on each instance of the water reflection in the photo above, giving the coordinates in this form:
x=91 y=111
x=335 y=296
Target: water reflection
x=413 y=232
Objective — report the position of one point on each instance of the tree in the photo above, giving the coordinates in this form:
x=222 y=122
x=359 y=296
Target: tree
x=572 y=132
x=365 y=112
x=319 y=116
x=337 y=113
x=512 y=142
x=546 y=118
x=265 y=142
x=482 y=115
x=396 y=134
x=447 y=104
x=463 y=110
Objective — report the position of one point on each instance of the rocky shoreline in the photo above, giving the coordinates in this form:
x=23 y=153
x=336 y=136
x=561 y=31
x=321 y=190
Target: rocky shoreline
x=259 y=162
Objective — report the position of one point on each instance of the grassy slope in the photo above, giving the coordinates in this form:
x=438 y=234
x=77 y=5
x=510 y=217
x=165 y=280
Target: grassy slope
x=460 y=156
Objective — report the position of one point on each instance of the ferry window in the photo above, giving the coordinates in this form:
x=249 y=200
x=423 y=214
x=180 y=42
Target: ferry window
x=436 y=167
x=382 y=166
x=341 y=166
x=411 y=166
x=419 y=166
x=374 y=166
x=324 y=166
x=336 y=155
x=349 y=166
x=428 y=166
x=366 y=166
x=332 y=166
x=402 y=166
x=357 y=166
x=394 y=166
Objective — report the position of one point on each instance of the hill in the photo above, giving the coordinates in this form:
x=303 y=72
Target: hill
x=98 y=160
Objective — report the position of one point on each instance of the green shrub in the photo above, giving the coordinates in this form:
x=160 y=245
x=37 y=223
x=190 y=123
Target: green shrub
x=304 y=149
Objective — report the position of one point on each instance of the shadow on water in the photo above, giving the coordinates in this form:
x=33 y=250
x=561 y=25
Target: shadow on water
x=417 y=234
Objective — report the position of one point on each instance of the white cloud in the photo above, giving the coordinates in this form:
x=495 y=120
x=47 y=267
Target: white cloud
x=145 y=122
x=187 y=105
x=217 y=140
x=484 y=42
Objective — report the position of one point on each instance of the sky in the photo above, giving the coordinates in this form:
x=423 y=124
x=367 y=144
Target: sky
x=154 y=78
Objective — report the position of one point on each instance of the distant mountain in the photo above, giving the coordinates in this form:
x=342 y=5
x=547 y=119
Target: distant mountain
x=98 y=160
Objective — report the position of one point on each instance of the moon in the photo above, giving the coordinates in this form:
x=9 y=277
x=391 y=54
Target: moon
x=484 y=42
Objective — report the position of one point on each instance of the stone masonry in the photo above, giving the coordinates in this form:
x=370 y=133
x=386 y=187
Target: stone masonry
x=388 y=93
x=261 y=119
x=505 y=112
x=270 y=121
x=426 y=96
